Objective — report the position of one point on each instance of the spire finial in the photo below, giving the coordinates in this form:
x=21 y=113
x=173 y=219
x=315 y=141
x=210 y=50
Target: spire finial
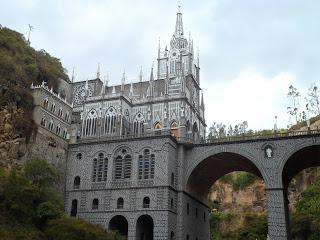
x=159 y=48
x=98 y=70
x=72 y=76
x=179 y=26
x=140 y=74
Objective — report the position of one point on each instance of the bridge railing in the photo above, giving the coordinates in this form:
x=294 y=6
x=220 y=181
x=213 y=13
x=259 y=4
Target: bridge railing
x=124 y=137
x=244 y=137
x=192 y=140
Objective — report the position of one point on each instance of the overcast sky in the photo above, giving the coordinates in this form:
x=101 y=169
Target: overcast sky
x=250 y=51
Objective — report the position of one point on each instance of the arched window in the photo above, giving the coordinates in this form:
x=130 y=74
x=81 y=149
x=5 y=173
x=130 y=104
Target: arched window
x=76 y=182
x=196 y=212
x=195 y=131
x=188 y=127
x=100 y=168
x=187 y=237
x=90 y=124
x=204 y=216
x=51 y=125
x=58 y=129
x=171 y=203
x=79 y=156
x=53 y=107
x=146 y=202
x=67 y=116
x=174 y=129
x=146 y=165
x=172 y=236
x=74 y=208
x=43 y=121
x=172 y=179
x=95 y=204
x=122 y=165
x=65 y=133
x=120 y=203
x=45 y=103
x=138 y=124
x=188 y=208
x=110 y=121
x=60 y=112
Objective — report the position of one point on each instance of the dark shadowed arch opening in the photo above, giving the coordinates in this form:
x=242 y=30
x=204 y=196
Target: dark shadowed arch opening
x=120 y=224
x=213 y=182
x=214 y=167
x=74 y=208
x=299 y=173
x=144 y=228
x=302 y=159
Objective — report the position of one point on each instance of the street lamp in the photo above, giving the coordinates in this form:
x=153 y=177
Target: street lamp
x=275 y=124
x=308 y=120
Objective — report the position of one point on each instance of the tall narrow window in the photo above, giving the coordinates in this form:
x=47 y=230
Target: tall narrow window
x=95 y=204
x=100 y=168
x=110 y=121
x=146 y=165
x=76 y=182
x=120 y=203
x=89 y=126
x=138 y=124
x=43 y=121
x=146 y=202
x=122 y=165
x=45 y=103
x=74 y=208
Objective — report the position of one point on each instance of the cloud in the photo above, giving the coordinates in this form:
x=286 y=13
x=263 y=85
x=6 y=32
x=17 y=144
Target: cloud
x=244 y=45
x=251 y=97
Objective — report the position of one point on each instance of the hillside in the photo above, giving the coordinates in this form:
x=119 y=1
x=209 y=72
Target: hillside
x=20 y=66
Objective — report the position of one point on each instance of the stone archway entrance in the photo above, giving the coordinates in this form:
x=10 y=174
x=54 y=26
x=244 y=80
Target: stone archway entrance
x=144 y=228
x=119 y=223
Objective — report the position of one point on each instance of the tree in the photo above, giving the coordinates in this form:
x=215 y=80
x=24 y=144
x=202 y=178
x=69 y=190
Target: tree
x=230 y=130
x=294 y=95
x=313 y=99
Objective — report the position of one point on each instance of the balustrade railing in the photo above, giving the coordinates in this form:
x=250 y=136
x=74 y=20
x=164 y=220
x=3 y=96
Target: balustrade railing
x=189 y=139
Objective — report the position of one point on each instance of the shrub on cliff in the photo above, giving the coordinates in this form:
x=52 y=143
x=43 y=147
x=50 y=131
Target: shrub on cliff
x=77 y=229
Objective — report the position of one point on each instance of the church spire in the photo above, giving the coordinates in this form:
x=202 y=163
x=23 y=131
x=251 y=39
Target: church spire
x=179 y=26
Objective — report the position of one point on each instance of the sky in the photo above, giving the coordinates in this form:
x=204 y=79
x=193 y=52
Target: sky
x=250 y=51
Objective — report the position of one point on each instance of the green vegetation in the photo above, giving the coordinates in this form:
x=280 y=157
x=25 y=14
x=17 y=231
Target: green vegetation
x=20 y=66
x=239 y=180
x=32 y=208
x=251 y=226
x=305 y=220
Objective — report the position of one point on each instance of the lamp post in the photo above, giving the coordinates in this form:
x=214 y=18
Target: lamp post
x=275 y=124
x=308 y=120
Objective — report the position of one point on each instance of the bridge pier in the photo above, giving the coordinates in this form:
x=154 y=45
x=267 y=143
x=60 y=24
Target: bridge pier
x=278 y=214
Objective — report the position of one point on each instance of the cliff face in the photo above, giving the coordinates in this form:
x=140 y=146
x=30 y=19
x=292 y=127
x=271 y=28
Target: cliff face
x=251 y=198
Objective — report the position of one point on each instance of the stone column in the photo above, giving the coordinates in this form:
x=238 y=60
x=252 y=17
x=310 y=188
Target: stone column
x=278 y=220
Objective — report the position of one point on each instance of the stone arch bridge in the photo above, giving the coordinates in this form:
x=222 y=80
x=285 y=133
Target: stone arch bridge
x=276 y=159
x=171 y=202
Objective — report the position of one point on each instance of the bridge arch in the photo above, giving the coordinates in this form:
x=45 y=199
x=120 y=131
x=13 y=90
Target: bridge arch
x=215 y=163
x=301 y=157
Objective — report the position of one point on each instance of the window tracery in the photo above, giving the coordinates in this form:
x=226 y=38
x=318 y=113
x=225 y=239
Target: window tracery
x=110 y=121
x=146 y=165
x=138 y=124
x=122 y=165
x=100 y=168
x=90 y=124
